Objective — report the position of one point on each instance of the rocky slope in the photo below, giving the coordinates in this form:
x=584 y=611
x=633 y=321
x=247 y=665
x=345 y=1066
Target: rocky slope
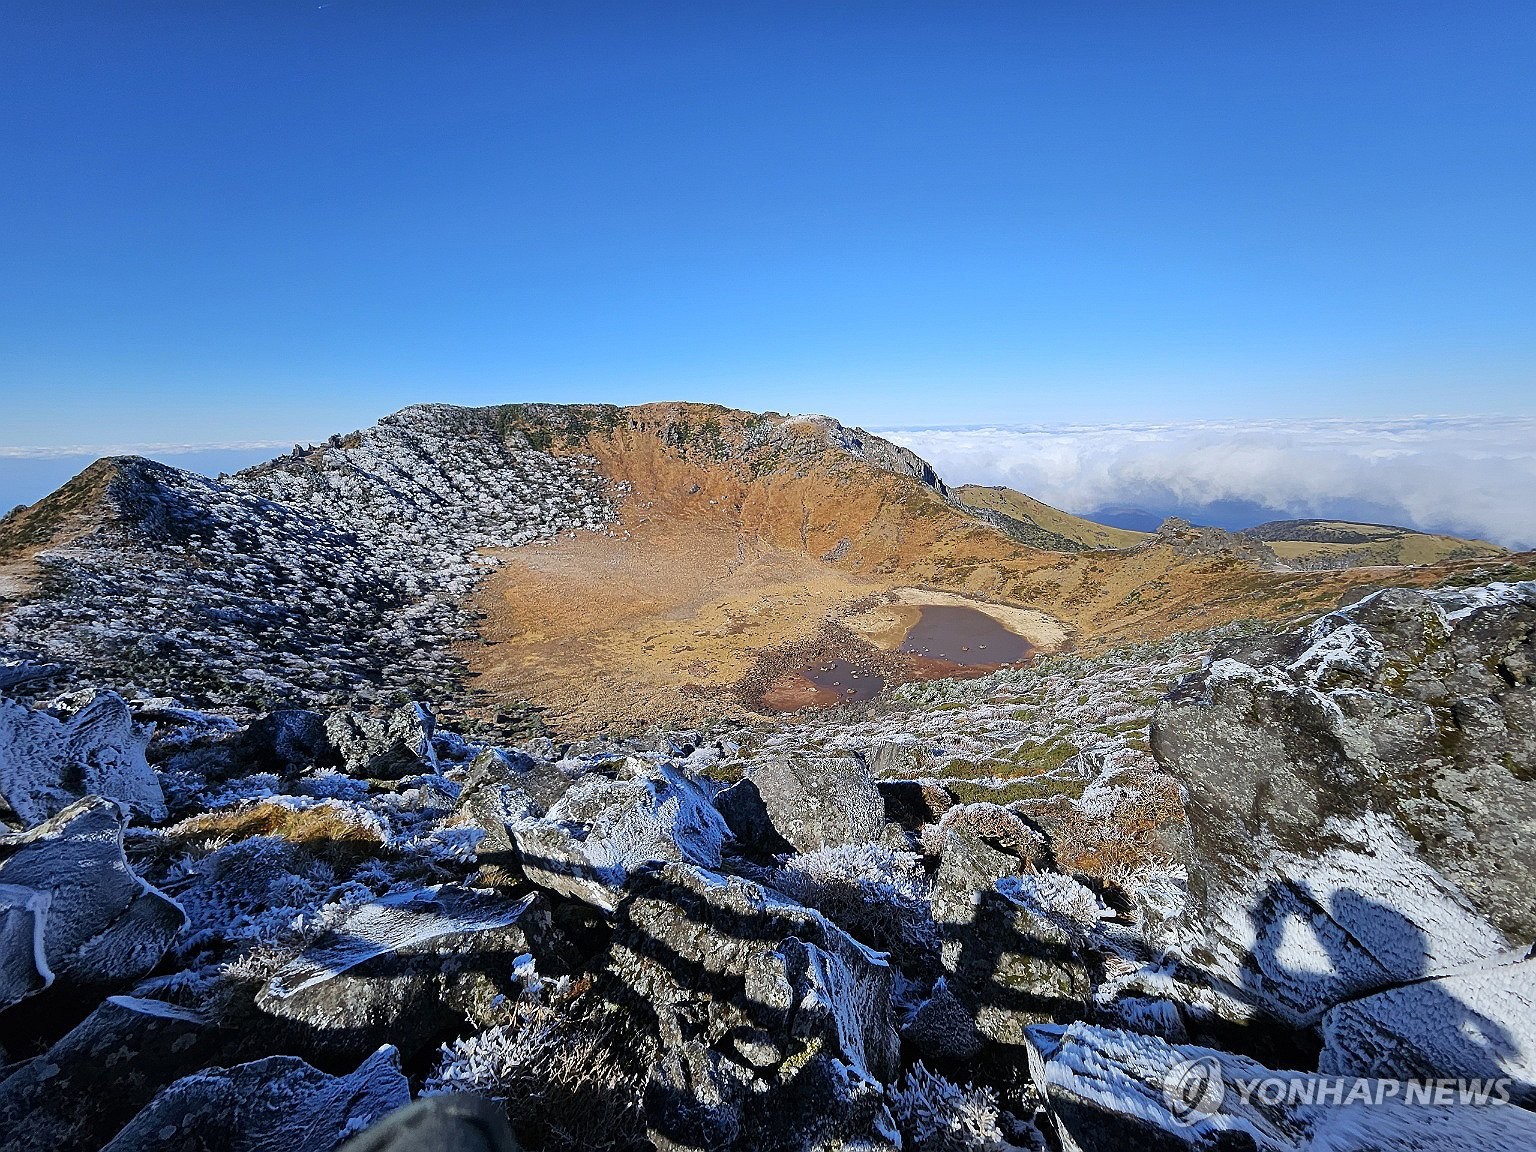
x=1321 y=544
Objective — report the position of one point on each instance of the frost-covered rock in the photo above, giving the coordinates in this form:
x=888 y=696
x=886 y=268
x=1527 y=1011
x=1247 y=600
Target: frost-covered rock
x=1361 y=794
x=600 y=831
x=384 y=747
x=1109 y=1089
x=46 y=764
x=820 y=802
x=401 y=968
x=1476 y=1023
x=23 y=966
x=102 y=925
x=280 y=1104
x=1020 y=957
x=777 y=1021
x=777 y=971
x=977 y=845
x=77 y=1095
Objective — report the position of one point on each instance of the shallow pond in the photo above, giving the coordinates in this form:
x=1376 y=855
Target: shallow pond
x=964 y=636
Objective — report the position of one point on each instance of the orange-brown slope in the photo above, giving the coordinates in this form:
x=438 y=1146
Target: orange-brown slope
x=744 y=534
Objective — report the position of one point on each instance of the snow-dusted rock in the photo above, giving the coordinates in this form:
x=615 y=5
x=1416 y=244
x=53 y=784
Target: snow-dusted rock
x=384 y=747
x=977 y=845
x=1108 y=1089
x=1019 y=959
x=102 y=925
x=1478 y=1022
x=77 y=1095
x=46 y=763
x=23 y=966
x=1361 y=794
x=820 y=802
x=280 y=1104
x=595 y=836
x=718 y=935
x=401 y=968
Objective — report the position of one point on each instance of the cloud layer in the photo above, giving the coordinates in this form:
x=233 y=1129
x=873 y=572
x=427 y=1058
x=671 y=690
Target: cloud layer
x=1472 y=476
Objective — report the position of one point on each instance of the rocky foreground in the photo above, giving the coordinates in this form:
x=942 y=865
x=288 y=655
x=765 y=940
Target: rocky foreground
x=1008 y=912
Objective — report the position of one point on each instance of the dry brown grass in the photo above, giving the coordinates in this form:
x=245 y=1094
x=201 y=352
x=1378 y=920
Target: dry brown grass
x=324 y=829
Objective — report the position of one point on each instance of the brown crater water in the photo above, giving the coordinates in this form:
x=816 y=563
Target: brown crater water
x=964 y=636
x=822 y=685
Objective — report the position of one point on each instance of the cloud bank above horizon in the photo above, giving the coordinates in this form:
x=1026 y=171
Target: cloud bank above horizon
x=1470 y=476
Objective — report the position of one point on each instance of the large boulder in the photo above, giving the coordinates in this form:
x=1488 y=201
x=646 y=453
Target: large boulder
x=1361 y=795
x=384 y=747
x=1110 y=1089
x=1022 y=956
x=280 y=1104
x=78 y=1094
x=1479 y=1023
x=402 y=969
x=102 y=926
x=46 y=764
x=779 y=1021
x=503 y=789
x=600 y=831
x=978 y=845
x=820 y=801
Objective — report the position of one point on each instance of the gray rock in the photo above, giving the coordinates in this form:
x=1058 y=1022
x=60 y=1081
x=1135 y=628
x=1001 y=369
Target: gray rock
x=786 y=970
x=729 y=964
x=102 y=925
x=46 y=763
x=978 y=845
x=820 y=802
x=1017 y=961
x=285 y=742
x=78 y=1094
x=600 y=831
x=502 y=790
x=23 y=968
x=1479 y=1023
x=942 y=1028
x=402 y=969
x=1109 y=1089
x=280 y=1104
x=384 y=747
x=1368 y=783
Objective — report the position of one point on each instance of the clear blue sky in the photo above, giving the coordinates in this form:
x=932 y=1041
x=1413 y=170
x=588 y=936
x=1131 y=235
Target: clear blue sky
x=226 y=221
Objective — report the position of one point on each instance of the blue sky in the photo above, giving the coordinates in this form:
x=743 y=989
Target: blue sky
x=232 y=222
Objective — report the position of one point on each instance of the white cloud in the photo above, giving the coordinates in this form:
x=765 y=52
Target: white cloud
x=1470 y=475
x=153 y=451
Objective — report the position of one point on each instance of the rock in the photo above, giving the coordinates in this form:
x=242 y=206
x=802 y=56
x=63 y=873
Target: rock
x=942 y=1028
x=977 y=845
x=1361 y=795
x=775 y=960
x=46 y=763
x=102 y=926
x=457 y=1122
x=1476 y=1023
x=1020 y=958
x=23 y=967
x=403 y=967
x=729 y=963
x=384 y=747
x=913 y=803
x=501 y=790
x=894 y=758
x=745 y=814
x=820 y=802
x=280 y=1104
x=1108 y=1089
x=286 y=742
x=601 y=831
x=78 y=1094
